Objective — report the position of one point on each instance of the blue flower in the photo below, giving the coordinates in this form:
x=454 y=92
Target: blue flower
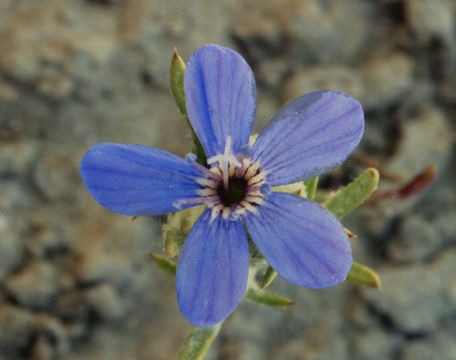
x=300 y=239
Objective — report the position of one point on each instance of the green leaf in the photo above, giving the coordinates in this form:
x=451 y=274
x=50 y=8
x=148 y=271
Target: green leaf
x=255 y=256
x=354 y=194
x=267 y=298
x=311 y=187
x=177 y=227
x=198 y=342
x=176 y=77
x=164 y=263
x=269 y=277
x=363 y=276
x=176 y=74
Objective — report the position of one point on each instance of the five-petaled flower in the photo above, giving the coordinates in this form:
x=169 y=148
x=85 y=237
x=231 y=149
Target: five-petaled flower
x=300 y=239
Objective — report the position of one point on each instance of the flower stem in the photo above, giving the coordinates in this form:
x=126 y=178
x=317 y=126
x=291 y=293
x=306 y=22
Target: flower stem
x=198 y=342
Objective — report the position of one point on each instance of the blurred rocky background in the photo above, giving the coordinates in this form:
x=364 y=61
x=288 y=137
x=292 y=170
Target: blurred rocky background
x=75 y=282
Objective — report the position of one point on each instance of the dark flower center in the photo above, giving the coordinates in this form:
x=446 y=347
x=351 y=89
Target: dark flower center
x=237 y=189
x=232 y=185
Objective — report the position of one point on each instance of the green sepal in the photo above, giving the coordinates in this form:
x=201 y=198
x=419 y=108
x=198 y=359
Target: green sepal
x=177 y=227
x=176 y=74
x=176 y=77
x=297 y=188
x=256 y=258
x=198 y=342
x=363 y=276
x=269 y=277
x=267 y=298
x=172 y=240
x=311 y=187
x=347 y=199
x=164 y=263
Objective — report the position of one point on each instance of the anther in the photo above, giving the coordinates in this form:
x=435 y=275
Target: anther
x=191 y=158
x=232 y=186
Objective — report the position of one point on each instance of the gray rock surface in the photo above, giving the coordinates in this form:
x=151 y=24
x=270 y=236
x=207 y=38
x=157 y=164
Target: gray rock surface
x=438 y=345
x=35 y=286
x=432 y=19
x=315 y=78
x=417 y=239
x=386 y=79
x=417 y=298
x=17 y=327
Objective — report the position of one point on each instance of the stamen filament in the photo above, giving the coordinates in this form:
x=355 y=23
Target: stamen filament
x=231 y=187
x=224 y=160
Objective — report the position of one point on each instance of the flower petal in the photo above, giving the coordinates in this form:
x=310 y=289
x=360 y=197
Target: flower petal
x=310 y=136
x=301 y=240
x=220 y=95
x=138 y=180
x=212 y=270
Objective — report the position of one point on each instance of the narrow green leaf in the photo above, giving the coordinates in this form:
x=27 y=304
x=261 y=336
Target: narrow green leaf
x=267 y=298
x=311 y=187
x=269 y=277
x=164 y=263
x=198 y=342
x=176 y=77
x=363 y=276
x=176 y=74
x=354 y=194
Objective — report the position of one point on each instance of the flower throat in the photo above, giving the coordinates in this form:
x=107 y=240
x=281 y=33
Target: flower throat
x=237 y=189
x=232 y=185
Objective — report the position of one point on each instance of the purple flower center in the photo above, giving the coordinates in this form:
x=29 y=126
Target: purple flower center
x=232 y=185
x=237 y=189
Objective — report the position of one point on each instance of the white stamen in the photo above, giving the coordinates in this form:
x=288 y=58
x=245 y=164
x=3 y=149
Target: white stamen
x=255 y=199
x=249 y=207
x=224 y=168
x=207 y=192
x=257 y=179
x=252 y=169
x=207 y=182
x=226 y=212
x=216 y=211
x=224 y=161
